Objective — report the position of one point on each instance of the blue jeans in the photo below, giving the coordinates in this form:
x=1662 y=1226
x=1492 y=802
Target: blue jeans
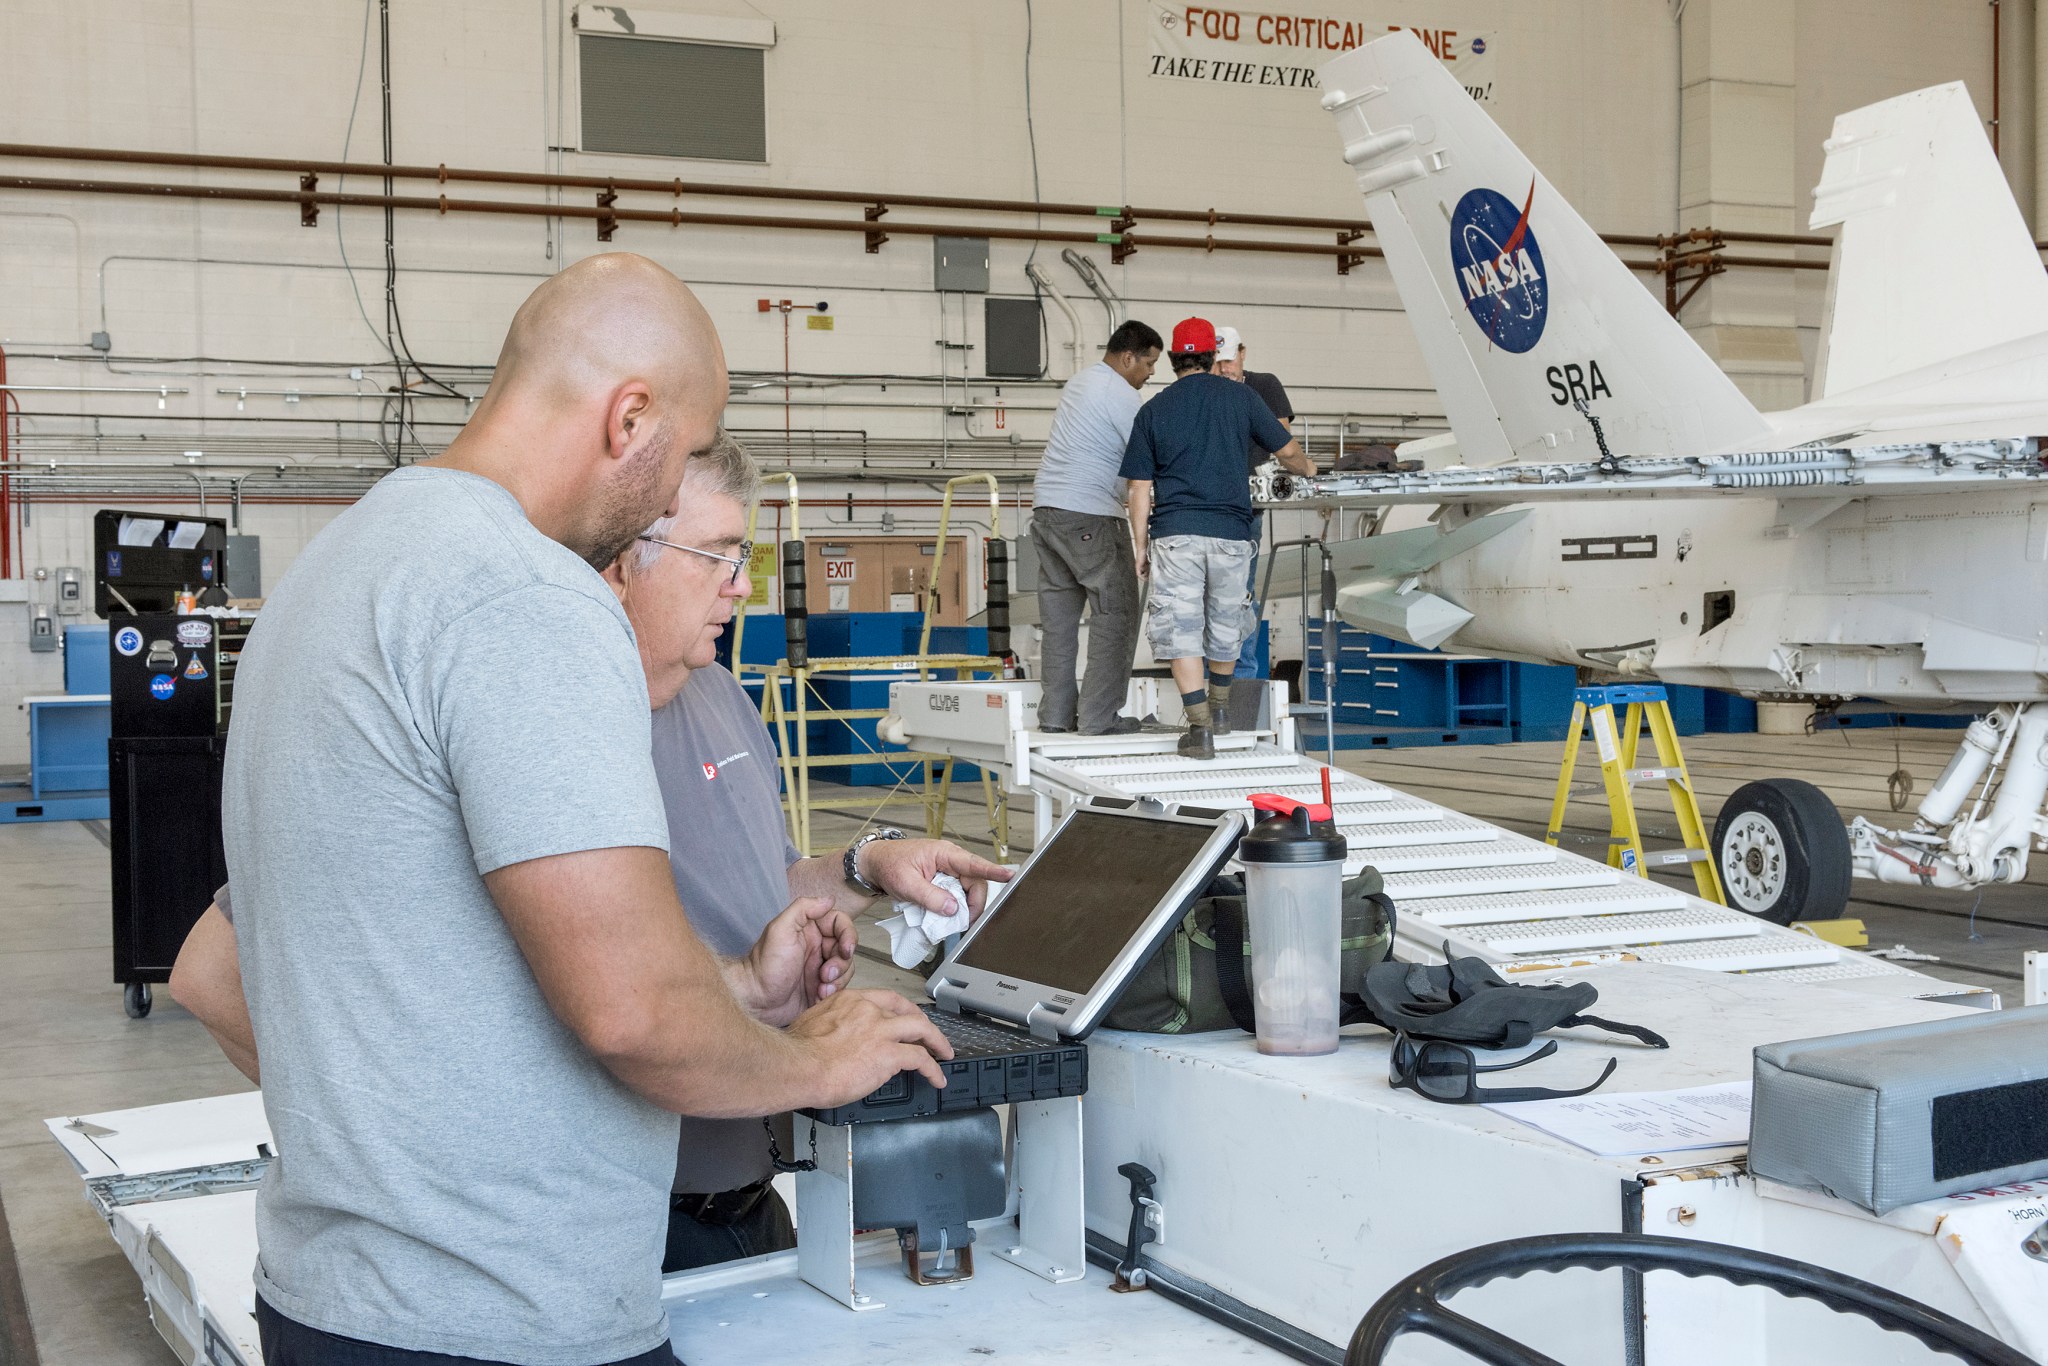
x=1248 y=655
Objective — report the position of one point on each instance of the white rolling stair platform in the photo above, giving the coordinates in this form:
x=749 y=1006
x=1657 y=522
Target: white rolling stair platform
x=1460 y=885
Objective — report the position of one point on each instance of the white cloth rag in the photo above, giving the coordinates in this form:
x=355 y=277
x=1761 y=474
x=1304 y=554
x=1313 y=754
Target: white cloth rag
x=913 y=930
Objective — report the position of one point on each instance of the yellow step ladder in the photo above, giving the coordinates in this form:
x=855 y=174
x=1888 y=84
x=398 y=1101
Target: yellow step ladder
x=1617 y=745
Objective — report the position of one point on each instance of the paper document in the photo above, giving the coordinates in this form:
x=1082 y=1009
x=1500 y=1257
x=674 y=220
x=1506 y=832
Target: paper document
x=186 y=535
x=1625 y=1124
x=139 y=530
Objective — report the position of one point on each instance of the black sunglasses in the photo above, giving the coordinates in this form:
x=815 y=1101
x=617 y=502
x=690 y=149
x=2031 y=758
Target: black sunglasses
x=1449 y=1073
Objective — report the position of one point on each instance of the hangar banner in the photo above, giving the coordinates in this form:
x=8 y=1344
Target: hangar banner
x=1252 y=47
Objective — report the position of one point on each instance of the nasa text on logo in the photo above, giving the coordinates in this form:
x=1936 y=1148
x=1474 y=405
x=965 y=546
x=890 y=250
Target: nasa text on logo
x=1499 y=268
x=128 y=641
x=161 y=686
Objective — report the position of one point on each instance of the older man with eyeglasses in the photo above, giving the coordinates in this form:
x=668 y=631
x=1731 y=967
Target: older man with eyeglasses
x=733 y=866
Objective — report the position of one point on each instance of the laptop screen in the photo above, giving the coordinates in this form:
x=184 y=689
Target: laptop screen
x=1083 y=898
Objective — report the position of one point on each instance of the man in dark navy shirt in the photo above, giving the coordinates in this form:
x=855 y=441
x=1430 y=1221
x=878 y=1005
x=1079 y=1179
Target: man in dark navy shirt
x=1192 y=525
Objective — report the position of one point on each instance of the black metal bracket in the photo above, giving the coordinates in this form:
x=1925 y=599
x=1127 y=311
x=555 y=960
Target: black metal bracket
x=607 y=222
x=309 y=212
x=1346 y=260
x=1129 y=1275
x=875 y=236
x=1703 y=263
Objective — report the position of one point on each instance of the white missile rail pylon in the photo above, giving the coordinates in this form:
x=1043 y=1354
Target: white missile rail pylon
x=1888 y=540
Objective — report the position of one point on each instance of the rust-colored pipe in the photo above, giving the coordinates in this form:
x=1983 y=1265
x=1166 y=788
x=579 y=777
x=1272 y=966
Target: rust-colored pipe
x=1994 y=77
x=677 y=217
x=7 y=399
x=677 y=187
x=671 y=217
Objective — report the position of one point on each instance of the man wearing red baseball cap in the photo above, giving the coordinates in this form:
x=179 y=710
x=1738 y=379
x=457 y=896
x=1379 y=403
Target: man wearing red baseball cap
x=1192 y=525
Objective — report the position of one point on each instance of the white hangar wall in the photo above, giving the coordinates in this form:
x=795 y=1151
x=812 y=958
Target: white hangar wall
x=1648 y=119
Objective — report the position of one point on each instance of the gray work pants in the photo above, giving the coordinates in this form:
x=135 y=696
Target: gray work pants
x=1086 y=560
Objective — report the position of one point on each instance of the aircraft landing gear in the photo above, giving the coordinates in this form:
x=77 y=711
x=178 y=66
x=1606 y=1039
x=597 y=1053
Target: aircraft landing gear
x=1783 y=852
x=1980 y=820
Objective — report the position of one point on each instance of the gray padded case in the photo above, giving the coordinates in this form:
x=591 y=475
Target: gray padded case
x=1887 y=1117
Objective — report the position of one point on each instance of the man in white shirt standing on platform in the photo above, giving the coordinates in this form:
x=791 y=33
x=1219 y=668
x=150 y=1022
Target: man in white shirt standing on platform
x=1083 y=539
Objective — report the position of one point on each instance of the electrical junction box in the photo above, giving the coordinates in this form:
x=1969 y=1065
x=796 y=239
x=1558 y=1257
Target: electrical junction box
x=42 y=630
x=245 y=566
x=1012 y=327
x=960 y=265
x=70 y=591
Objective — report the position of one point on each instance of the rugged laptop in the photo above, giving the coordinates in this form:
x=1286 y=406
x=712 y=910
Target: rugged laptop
x=1043 y=965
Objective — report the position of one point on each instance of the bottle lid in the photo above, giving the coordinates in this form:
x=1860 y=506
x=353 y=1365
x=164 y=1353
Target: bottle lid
x=1294 y=832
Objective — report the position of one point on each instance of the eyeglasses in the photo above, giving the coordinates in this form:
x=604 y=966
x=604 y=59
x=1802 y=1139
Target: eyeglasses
x=738 y=562
x=1448 y=1072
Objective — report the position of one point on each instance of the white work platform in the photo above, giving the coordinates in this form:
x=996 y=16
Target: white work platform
x=1458 y=882
x=1305 y=1188
x=759 y=1310
x=1295 y=1190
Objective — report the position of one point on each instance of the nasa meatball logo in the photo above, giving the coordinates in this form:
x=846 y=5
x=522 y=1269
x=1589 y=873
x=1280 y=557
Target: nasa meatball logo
x=1499 y=268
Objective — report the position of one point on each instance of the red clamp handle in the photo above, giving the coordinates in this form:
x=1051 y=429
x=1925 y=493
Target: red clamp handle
x=1287 y=806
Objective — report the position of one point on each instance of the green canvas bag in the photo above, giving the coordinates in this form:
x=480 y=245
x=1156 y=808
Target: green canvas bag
x=1176 y=990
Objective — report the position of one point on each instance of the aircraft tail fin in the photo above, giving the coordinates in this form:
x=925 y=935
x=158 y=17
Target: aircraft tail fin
x=1932 y=258
x=1522 y=312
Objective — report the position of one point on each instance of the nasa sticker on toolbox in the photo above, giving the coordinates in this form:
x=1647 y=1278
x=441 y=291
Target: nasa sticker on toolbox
x=1499 y=268
x=195 y=670
x=206 y=568
x=193 y=634
x=128 y=641
x=161 y=686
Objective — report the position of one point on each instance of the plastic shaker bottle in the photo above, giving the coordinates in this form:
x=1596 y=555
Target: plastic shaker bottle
x=1294 y=898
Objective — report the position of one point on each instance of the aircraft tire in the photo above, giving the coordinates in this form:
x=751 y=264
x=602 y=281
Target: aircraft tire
x=1783 y=852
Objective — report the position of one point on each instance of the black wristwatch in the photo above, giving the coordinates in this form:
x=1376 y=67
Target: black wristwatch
x=851 y=860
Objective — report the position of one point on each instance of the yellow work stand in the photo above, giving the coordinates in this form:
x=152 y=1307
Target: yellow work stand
x=790 y=700
x=1595 y=707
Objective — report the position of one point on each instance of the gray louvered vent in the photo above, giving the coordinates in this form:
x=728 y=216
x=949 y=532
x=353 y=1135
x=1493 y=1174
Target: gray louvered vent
x=652 y=97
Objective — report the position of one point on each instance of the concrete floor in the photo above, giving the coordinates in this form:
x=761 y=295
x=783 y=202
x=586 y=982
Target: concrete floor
x=67 y=1048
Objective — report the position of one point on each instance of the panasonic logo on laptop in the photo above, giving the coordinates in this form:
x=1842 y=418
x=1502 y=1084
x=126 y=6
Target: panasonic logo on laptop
x=1001 y=985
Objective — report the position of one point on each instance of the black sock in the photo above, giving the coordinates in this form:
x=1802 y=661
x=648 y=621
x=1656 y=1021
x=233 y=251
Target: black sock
x=1221 y=681
x=1195 y=698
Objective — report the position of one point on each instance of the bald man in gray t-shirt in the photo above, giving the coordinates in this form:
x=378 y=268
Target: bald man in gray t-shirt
x=734 y=870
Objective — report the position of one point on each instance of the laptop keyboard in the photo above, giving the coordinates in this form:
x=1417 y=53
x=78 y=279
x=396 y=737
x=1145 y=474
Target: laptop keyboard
x=976 y=1038
x=992 y=1064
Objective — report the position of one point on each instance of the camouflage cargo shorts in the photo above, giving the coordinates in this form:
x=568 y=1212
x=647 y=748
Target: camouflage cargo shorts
x=1201 y=606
